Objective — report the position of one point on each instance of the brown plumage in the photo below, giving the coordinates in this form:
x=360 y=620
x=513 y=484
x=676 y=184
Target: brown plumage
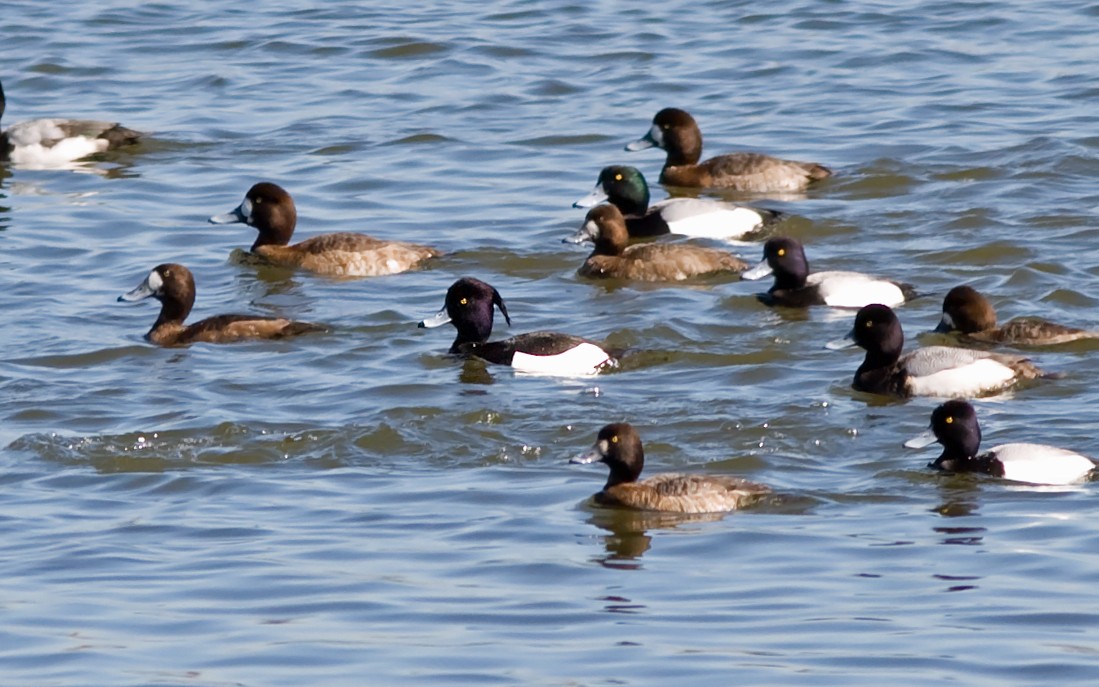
x=613 y=257
x=270 y=209
x=676 y=132
x=174 y=286
x=619 y=446
x=967 y=311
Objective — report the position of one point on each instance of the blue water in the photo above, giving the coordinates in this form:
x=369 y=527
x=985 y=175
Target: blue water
x=355 y=508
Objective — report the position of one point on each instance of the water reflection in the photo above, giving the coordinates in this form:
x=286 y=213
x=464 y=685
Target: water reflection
x=629 y=539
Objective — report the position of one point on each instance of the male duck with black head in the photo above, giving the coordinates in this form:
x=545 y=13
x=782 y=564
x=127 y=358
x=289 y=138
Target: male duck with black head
x=968 y=312
x=619 y=447
x=626 y=189
x=174 y=286
x=469 y=307
x=954 y=425
x=677 y=133
x=614 y=258
x=44 y=143
x=270 y=210
x=796 y=287
x=931 y=371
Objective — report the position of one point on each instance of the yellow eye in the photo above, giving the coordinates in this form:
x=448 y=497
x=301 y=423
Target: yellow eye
x=869 y=324
x=618 y=177
x=781 y=252
x=464 y=301
x=949 y=420
x=614 y=439
x=259 y=200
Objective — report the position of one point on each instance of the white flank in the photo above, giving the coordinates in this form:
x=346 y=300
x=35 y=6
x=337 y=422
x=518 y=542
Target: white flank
x=1040 y=464
x=708 y=219
x=585 y=359
x=972 y=379
x=854 y=289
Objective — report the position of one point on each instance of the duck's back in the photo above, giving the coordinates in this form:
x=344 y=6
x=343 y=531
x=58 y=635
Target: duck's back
x=661 y=262
x=349 y=254
x=704 y=218
x=948 y=371
x=854 y=289
x=1033 y=331
x=757 y=172
x=44 y=142
x=228 y=329
x=543 y=353
x=680 y=493
x=1041 y=464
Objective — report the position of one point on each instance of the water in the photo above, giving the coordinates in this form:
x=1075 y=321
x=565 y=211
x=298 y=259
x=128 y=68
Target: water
x=354 y=508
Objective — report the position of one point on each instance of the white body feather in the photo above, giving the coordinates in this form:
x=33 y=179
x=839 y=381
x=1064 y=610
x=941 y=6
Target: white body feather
x=585 y=359
x=1041 y=464
x=42 y=144
x=854 y=289
x=709 y=219
x=951 y=372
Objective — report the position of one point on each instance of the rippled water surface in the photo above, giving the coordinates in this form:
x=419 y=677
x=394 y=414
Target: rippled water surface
x=353 y=507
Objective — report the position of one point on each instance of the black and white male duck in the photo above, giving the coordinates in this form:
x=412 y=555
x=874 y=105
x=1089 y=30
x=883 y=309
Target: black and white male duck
x=469 y=307
x=954 y=425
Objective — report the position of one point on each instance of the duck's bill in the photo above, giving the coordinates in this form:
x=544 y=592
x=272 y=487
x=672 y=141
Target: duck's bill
x=594 y=198
x=437 y=320
x=758 y=272
x=841 y=344
x=649 y=140
x=588 y=232
x=592 y=456
x=921 y=441
x=945 y=326
x=139 y=294
x=238 y=215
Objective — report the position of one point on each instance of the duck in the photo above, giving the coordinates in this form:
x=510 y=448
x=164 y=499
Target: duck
x=613 y=258
x=676 y=132
x=943 y=371
x=625 y=188
x=270 y=210
x=618 y=445
x=174 y=286
x=45 y=143
x=954 y=425
x=469 y=307
x=795 y=286
x=968 y=312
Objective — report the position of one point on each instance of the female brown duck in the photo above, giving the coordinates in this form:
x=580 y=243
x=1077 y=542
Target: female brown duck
x=270 y=209
x=619 y=446
x=174 y=286
x=613 y=257
x=676 y=132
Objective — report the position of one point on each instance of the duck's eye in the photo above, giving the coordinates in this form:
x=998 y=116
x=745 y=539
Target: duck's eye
x=257 y=201
x=618 y=177
x=464 y=301
x=949 y=420
x=614 y=439
x=781 y=252
x=869 y=324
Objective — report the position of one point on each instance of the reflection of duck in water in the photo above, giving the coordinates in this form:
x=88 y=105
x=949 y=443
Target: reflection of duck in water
x=619 y=446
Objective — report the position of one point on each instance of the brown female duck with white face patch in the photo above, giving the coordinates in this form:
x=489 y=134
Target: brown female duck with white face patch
x=174 y=286
x=270 y=209
x=619 y=446
x=676 y=132
x=614 y=258
x=967 y=311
